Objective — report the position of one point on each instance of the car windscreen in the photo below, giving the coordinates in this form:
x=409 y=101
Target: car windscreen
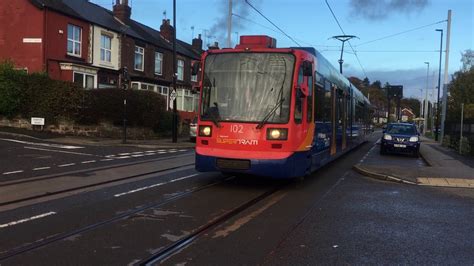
x=401 y=129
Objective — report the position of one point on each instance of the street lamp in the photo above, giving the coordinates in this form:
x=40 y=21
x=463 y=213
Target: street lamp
x=439 y=81
x=425 y=122
x=343 y=39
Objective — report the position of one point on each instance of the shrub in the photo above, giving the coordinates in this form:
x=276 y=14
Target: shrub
x=11 y=84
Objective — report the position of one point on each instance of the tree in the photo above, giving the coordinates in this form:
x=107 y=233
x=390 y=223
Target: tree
x=467 y=59
x=461 y=91
x=366 y=82
x=412 y=104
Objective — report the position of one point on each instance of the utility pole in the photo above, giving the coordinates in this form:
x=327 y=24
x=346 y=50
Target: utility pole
x=174 y=93
x=343 y=39
x=439 y=83
x=462 y=118
x=425 y=116
x=229 y=26
x=446 y=78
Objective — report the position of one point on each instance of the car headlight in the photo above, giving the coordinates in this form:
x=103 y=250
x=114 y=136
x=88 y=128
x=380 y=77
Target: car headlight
x=205 y=131
x=387 y=137
x=277 y=133
x=414 y=139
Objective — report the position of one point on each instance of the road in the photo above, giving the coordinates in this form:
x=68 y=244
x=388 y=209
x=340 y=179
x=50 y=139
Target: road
x=168 y=213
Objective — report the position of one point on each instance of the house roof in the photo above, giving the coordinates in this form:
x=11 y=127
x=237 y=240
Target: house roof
x=95 y=14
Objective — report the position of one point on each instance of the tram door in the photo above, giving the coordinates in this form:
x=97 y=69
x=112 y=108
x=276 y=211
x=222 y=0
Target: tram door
x=338 y=142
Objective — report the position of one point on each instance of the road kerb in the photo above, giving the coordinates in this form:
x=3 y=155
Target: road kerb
x=379 y=176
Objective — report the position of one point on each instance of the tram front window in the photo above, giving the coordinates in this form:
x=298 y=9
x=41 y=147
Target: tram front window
x=247 y=87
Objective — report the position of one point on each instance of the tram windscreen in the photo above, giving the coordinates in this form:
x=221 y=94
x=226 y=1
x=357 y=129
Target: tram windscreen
x=247 y=87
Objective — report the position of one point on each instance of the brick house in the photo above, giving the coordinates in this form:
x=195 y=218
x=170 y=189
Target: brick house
x=81 y=42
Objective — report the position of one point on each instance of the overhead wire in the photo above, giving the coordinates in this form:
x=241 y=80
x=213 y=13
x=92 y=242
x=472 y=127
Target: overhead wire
x=269 y=28
x=402 y=32
x=342 y=30
x=282 y=31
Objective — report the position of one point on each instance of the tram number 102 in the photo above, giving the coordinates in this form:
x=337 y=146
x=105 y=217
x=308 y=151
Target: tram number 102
x=237 y=129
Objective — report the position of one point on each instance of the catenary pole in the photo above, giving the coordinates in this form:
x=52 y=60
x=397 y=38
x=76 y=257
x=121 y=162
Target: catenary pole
x=229 y=26
x=175 y=110
x=446 y=78
x=439 y=84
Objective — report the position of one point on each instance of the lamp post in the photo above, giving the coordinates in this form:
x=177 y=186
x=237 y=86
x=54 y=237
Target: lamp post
x=343 y=39
x=425 y=122
x=439 y=82
x=174 y=92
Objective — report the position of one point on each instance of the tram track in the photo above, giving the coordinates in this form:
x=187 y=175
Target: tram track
x=62 y=236
x=185 y=241
x=77 y=188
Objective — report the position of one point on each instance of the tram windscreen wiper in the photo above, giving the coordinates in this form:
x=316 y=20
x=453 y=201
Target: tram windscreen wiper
x=265 y=119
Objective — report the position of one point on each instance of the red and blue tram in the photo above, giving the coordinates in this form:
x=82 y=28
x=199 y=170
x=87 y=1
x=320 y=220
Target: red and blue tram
x=275 y=112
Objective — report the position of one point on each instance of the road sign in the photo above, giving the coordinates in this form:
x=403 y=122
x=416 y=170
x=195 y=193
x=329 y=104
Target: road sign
x=173 y=95
x=37 y=121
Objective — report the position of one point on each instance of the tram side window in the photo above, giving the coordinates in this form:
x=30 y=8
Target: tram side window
x=322 y=108
x=309 y=117
x=298 y=100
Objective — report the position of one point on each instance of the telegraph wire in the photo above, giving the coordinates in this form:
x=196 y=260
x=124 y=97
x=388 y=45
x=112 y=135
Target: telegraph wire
x=402 y=32
x=258 y=11
x=340 y=27
x=269 y=28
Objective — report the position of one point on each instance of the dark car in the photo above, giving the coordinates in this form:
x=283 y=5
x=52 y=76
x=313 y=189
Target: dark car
x=400 y=138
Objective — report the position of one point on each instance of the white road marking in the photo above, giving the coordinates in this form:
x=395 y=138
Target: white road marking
x=86 y=162
x=27 y=219
x=155 y=185
x=41 y=168
x=106 y=160
x=172 y=151
x=52 y=145
x=123 y=157
x=182 y=150
x=111 y=155
x=13 y=172
x=138 y=155
x=69 y=152
x=121 y=154
x=66 y=165
x=137 y=152
x=162 y=152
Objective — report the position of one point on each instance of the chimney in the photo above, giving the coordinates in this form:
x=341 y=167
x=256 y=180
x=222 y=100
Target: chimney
x=197 y=43
x=122 y=11
x=166 y=30
x=214 y=46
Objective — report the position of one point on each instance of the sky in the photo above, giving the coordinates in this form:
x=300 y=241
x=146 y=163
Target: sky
x=395 y=37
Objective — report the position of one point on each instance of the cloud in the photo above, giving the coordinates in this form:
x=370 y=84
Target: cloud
x=381 y=9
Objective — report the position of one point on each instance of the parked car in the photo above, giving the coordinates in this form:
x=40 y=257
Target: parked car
x=400 y=138
x=192 y=129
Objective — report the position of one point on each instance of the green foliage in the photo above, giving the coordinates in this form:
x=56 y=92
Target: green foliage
x=11 y=83
x=37 y=95
x=461 y=91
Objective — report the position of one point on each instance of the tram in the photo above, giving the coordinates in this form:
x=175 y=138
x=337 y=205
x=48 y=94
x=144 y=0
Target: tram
x=274 y=112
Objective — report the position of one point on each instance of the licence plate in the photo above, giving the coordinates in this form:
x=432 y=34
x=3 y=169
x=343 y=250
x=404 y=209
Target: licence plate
x=399 y=145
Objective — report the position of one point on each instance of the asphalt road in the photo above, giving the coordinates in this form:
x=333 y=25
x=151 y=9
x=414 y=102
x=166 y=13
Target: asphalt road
x=334 y=216
x=26 y=158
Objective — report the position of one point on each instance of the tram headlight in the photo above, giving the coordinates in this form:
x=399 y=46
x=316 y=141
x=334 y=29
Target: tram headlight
x=205 y=131
x=277 y=134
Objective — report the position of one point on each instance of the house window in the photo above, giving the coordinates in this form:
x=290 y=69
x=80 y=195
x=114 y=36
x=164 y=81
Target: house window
x=194 y=78
x=180 y=70
x=84 y=80
x=158 y=63
x=185 y=100
x=105 y=48
x=74 y=36
x=139 y=58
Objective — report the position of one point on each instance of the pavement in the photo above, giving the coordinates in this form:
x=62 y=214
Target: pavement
x=160 y=143
x=441 y=167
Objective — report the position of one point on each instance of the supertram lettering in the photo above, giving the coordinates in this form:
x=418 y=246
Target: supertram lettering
x=250 y=142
